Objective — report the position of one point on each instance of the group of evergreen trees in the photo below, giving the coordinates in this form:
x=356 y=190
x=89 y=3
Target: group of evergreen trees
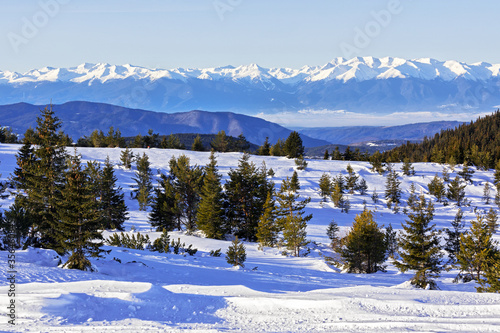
x=59 y=203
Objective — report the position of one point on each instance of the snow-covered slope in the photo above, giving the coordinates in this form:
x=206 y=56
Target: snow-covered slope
x=142 y=291
x=362 y=84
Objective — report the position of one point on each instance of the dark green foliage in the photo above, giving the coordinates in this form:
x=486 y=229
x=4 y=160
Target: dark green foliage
x=236 y=254
x=375 y=196
x=364 y=248
x=477 y=249
x=112 y=203
x=246 y=191
x=301 y=163
x=79 y=218
x=180 y=248
x=491 y=282
x=487 y=193
x=17 y=221
x=220 y=142
x=162 y=243
x=187 y=182
x=126 y=158
x=98 y=139
x=391 y=241
x=325 y=186
x=476 y=142
x=456 y=191
x=420 y=250
x=326 y=156
x=265 y=149
x=23 y=174
x=171 y=142
x=135 y=242
x=351 y=179
x=291 y=217
x=165 y=213
x=393 y=190
x=332 y=233
x=496 y=175
x=492 y=220
x=407 y=168
x=466 y=173
x=376 y=160
x=267 y=229
x=294 y=182
x=453 y=236
x=215 y=253
x=437 y=188
x=7 y=136
x=362 y=187
x=293 y=147
x=211 y=217
x=144 y=186
x=278 y=149
x=197 y=144
x=336 y=155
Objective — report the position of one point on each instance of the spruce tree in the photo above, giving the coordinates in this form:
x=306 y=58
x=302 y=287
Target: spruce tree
x=236 y=253
x=325 y=186
x=112 y=203
x=375 y=196
x=265 y=149
x=294 y=182
x=267 y=229
x=364 y=248
x=17 y=221
x=187 y=182
x=246 y=190
x=453 y=236
x=326 y=156
x=407 y=168
x=126 y=158
x=165 y=214
x=220 y=142
x=332 y=233
x=392 y=190
x=456 y=191
x=351 y=179
x=79 y=216
x=466 y=172
x=477 y=249
x=362 y=186
x=437 y=188
x=492 y=220
x=197 y=144
x=336 y=155
x=278 y=149
x=487 y=193
x=391 y=241
x=144 y=187
x=291 y=217
x=420 y=250
x=293 y=147
x=377 y=163
x=210 y=216
x=337 y=196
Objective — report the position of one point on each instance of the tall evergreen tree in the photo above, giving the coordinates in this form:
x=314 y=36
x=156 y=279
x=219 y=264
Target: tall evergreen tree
x=492 y=220
x=456 y=191
x=453 y=236
x=211 y=216
x=407 y=168
x=437 y=188
x=336 y=155
x=197 y=144
x=391 y=241
x=393 y=190
x=236 y=253
x=487 y=193
x=246 y=191
x=325 y=186
x=278 y=149
x=144 y=186
x=267 y=229
x=294 y=182
x=79 y=218
x=362 y=186
x=126 y=158
x=220 y=142
x=466 y=173
x=364 y=248
x=293 y=146
x=376 y=161
x=165 y=213
x=421 y=251
x=351 y=179
x=112 y=203
x=291 y=217
x=326 y=156
x=332 y=233
x=187 y=182
x=265 y=149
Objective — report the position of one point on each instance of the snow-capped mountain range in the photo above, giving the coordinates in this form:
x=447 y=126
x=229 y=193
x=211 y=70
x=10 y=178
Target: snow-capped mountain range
x=363 y=84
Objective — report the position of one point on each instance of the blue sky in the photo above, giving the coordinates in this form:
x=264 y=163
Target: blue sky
x=209 y=33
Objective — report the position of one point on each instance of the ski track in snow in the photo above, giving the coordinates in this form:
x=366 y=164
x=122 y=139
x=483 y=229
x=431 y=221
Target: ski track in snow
x=153 y=292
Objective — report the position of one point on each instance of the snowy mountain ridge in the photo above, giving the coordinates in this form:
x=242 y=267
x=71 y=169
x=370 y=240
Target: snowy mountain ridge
x=339 y=69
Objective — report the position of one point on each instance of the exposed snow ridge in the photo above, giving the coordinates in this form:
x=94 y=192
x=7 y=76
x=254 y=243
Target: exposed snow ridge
x=340 y=69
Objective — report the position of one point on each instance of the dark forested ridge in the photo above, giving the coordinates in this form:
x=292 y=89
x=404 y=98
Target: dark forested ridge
x=477 y=142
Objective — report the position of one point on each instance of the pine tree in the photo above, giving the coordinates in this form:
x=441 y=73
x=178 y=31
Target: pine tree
x=46 y=180
x=79 y=216
x=437 y=188
x=487 y=193
x=325 y=186
x=336 y=155
x=376 y=162
x=241 y=144
x=332 y=233
x=446 y=175
x=391 y=241
x=420 y=245
x=293 y=147
x=197 y=144
x=466 y=173
x=187 y=182
x=112 y=203
x=220 y=142
x=301 y=163
x=278 y=149
x=491 y=281
x=476 y=249
x=362 y=186
x=456 y=191
x=492 y=220
x=126 y=158
x=210 y=216
x=392 y=190
x=326 y=156
x=291 y=217
x=294 y=182
x=23 y=174
x=351 y=179
x=17 y=221
x=236 y=254
x=337 y=195
x=496 y=175
x=453 y=236
x=144 y=186
x=408 y=169
x=267 y=229
x=246 y=191
x=375 y=196
x=364 y=248
x=165 y=213
x=265 y=149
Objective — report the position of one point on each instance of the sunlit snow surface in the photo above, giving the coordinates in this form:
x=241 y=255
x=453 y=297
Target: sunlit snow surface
x=152 y=292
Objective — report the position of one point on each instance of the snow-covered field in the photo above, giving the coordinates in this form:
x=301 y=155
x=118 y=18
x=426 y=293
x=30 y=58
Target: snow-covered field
x=149 y=291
